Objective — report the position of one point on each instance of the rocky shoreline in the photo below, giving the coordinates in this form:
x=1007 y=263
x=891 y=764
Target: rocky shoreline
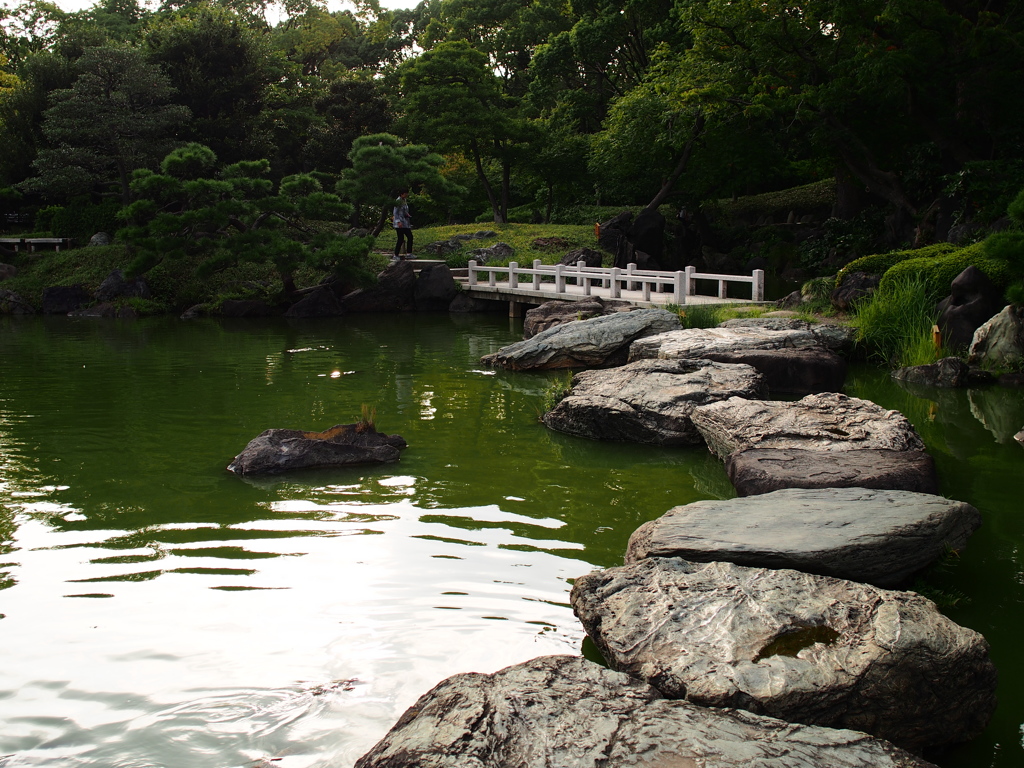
x=765 y=630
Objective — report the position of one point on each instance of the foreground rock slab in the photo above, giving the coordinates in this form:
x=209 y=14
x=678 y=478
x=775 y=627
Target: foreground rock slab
x=649 y=401
x=879 y=537
x=823 y=422
x=568 y=712
x=803 y=648
x=594 y=343
x=763 y=470
x=284 y=450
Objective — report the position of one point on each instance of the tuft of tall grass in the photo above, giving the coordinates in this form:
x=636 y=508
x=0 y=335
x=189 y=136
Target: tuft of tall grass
x=895 y=324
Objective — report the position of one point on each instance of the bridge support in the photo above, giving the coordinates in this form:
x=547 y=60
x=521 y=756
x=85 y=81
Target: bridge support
x=515 y=309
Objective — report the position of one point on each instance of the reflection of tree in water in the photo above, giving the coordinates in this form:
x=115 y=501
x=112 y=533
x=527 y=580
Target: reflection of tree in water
x=999 y=409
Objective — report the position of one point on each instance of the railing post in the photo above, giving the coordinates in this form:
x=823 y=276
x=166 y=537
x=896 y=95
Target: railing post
x=536 y=274
x=492 y=277
x=679 y=292
x=758 y=290
x=630 y=268
x=691 y=281
x=559 y=278
x=580 y=266
x=721 y=289
x=615 y=286
x=472 y=272
x=647 y=289
x=513 y=278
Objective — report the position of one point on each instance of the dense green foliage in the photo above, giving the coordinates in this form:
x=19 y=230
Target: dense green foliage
x=235 y=214
x=889 y=126
x=879 y=263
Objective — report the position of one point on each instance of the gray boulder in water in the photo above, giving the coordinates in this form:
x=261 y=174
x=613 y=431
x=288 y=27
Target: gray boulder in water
x=803 y=648
x=598 y=342
x=649 y=401
x=879 y=537
x=284 y=450
x=824 y=422
x=763 y=470
x=568 y=712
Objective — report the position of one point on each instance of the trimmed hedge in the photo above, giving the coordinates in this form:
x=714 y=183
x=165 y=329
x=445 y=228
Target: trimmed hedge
x=880 y=263
x=939 y=272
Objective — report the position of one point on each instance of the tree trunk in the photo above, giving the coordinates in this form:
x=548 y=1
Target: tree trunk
x=498 y=218
x=848 y=197
x=380 y=222
x=551 y=202
x=684 y=159
x=506 y=177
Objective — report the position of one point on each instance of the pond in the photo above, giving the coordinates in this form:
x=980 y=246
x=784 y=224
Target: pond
x=160 y=611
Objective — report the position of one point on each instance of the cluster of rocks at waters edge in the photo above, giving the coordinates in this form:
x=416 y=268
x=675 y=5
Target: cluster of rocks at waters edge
x=754 y=631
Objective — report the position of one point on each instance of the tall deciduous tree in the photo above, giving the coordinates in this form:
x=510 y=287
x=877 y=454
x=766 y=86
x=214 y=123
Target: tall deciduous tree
x=453 y=101
x=223 y=70
x=116 y=117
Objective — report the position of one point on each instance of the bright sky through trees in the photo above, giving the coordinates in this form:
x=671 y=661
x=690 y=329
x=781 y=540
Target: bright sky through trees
x=334 y=5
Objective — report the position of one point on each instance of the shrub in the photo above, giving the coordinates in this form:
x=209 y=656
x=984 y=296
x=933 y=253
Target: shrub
x=895 y=324
x=879 y=263
x=939 y=272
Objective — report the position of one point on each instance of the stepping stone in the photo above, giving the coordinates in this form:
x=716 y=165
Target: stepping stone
x=694 y=343
x=879 y=537
x=649 y=401
x=568 y=712
x=594 y=343
x=803 y=648
x=285 y=450
x=837 y=338
x=762 y=470
x=823 y=422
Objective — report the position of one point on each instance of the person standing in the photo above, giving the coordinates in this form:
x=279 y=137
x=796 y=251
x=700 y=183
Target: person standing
x=402 y=221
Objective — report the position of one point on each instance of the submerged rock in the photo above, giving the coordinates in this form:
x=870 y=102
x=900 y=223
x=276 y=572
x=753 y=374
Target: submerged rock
x=649 y=401
x=284 y=450
x=879 y=537
x=803 y=648
x=824 y=422
x=568 y=712
x=594 y=343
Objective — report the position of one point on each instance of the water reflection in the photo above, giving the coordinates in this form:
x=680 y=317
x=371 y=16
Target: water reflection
x=160 y=611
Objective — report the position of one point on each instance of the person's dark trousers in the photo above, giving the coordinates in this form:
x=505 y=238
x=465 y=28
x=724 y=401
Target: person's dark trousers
x=406 y=234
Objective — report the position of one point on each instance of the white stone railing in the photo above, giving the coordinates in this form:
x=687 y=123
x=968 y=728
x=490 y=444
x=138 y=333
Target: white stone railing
x=680 y=284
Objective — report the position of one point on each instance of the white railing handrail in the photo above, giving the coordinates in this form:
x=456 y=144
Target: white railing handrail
x=683 y=283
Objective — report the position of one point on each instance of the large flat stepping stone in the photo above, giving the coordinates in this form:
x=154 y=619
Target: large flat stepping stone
x=838 y=338
x=823 y=422
x=567 y=712
x=592 y=343
x=803 y=648
x=649 y=401
x=694 y=343
x=792 y=359
x=762 y=470
x=879 y=537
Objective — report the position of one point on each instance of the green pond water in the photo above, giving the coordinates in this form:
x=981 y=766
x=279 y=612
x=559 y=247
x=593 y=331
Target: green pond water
x=160 y=611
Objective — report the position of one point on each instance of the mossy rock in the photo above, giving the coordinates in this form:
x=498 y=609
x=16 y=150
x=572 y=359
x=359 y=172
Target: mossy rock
x=939 y=271
x=880 y=263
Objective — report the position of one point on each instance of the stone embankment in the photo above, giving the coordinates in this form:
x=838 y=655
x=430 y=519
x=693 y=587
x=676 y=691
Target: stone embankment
x=762 y=630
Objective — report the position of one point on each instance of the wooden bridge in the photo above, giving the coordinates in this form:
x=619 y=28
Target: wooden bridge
x=647 y=288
